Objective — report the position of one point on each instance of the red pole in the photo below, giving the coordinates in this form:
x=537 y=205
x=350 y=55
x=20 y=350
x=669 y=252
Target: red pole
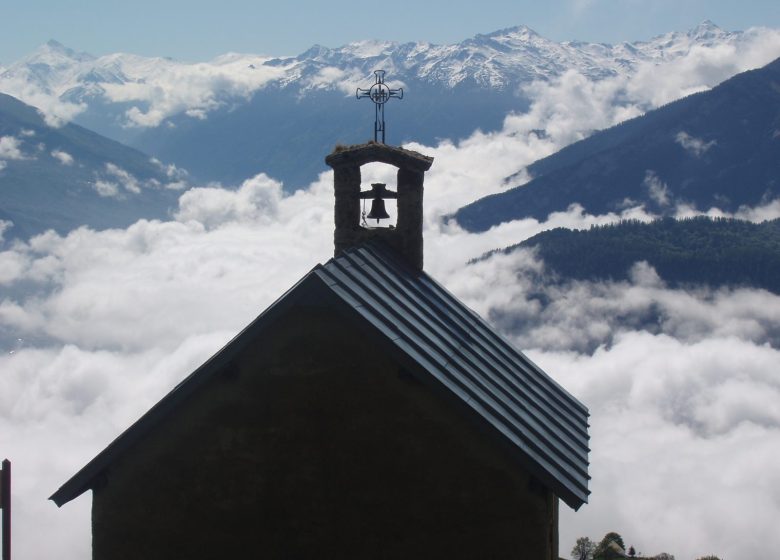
x=5 y=504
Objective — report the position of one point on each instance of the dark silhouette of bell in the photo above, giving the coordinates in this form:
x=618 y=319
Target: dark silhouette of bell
x=377 y=194
x=378 y=211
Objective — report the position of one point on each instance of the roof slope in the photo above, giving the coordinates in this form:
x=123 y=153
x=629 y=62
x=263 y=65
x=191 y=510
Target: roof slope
x=441 y=341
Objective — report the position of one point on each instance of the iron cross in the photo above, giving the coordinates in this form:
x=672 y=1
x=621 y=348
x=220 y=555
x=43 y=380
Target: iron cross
x=379 y=93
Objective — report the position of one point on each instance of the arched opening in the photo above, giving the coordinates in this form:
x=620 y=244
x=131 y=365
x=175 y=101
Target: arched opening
x=378 y=173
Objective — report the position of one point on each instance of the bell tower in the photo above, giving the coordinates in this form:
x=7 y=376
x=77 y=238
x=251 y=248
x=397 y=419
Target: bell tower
x=406 y=237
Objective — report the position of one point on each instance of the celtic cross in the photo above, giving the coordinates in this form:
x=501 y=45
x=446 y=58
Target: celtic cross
x=379 y=93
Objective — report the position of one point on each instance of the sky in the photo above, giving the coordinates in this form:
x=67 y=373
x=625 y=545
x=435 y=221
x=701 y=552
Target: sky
x=200 y=30
x=685 y=421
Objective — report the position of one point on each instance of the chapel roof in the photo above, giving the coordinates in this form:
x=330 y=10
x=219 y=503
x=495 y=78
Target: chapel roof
x=436 y=338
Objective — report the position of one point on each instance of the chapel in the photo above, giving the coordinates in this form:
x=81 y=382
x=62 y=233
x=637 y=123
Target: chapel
x=366 y=413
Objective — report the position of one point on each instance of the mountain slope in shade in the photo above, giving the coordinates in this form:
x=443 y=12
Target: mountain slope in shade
x=239 y=114
x=61 y=178
x=694 y=251
x=719 y=148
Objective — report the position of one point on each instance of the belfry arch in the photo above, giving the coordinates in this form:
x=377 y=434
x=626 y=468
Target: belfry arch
x=406 y=238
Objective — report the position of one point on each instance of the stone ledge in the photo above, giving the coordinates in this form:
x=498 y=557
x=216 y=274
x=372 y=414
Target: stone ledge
x=360 y=154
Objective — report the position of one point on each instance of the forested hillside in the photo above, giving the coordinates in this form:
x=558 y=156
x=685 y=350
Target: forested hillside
x=714 y=252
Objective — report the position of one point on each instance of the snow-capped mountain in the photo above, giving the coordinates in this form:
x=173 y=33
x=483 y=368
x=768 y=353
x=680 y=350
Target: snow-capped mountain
x=494 y=60
x=240 y=114
x=500 y=60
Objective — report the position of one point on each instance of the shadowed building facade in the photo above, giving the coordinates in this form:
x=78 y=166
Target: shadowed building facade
x=367 y=413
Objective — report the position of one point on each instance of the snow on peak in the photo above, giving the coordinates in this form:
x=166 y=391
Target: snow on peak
x=502 y=60
x=53 y=53
x=707 y=30
x=369 y=48
x=518 y=32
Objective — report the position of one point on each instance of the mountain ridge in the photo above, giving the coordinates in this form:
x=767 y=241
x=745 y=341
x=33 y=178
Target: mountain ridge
x=63 y=177
x=716 y=148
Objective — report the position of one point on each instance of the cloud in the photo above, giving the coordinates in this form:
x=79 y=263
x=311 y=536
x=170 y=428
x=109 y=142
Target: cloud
x=119 y=183
x=571 y=107
x=158 y=87
x=4 y=225
x=12 y=264
x=207 y=250
x=162 y=88
x=9 y=148
x=125 y=178
x=328 y=76
x=768 y=211
x=658 y=190
x=106 y=188
x=63 y=157
x=256 y=200
x=695 y=146
x=54 y=110
x=682 y=391
x=174 y=173
x=697 y=427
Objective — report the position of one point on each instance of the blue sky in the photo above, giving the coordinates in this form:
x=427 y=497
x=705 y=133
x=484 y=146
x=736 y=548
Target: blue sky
x=199 y=30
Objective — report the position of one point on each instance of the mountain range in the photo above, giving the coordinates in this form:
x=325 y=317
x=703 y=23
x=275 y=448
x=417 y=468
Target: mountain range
x=239 y=114
x=719 y=148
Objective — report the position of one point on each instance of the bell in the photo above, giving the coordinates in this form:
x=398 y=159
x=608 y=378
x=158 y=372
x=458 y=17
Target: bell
x=378 y=211
x=378 y=194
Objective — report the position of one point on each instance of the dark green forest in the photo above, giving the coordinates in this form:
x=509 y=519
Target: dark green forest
x=714 y=252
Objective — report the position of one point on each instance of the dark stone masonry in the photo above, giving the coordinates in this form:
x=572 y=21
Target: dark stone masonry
x=406 y=237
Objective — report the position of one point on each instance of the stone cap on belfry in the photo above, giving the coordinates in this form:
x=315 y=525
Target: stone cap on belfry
x=360 y=154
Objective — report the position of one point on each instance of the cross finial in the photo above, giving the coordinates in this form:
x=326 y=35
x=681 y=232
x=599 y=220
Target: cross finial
x=379 y=93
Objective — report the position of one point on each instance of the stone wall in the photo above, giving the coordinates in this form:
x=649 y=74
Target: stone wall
x=315 y=444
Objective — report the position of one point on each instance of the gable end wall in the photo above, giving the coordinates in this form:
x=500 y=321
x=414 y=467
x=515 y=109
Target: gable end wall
x=315 y=444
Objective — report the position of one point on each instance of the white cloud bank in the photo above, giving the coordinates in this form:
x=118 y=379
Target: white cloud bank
x=681 y=384
x=120 y=316
x=162 y=87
